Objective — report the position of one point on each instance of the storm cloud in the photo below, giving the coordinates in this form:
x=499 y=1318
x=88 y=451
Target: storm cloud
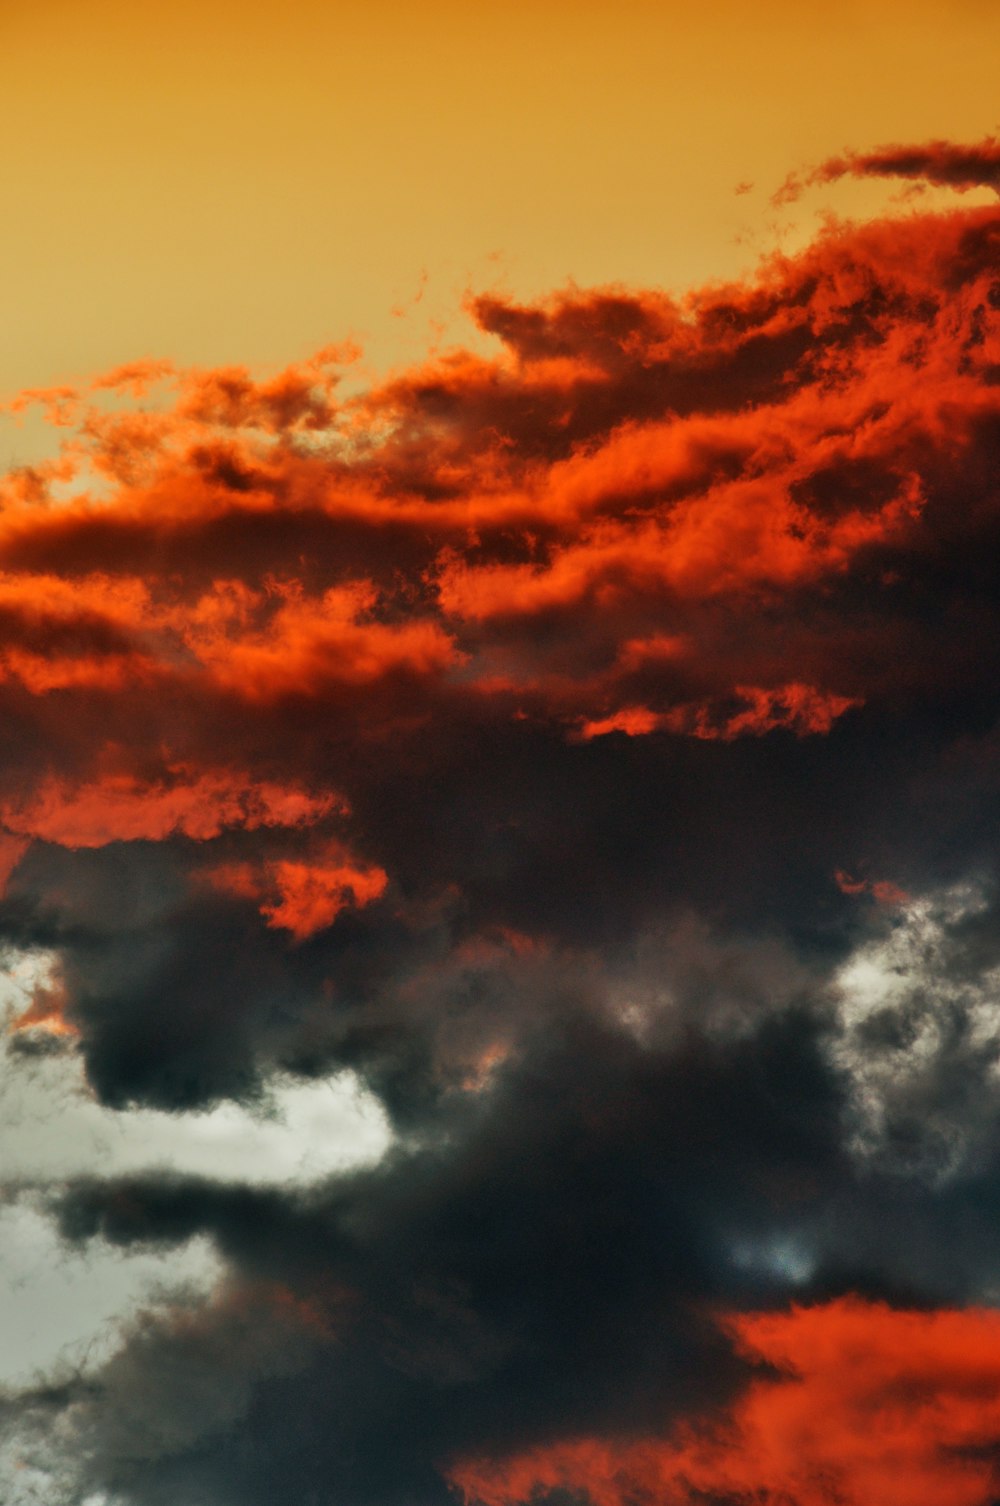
x=592 y=746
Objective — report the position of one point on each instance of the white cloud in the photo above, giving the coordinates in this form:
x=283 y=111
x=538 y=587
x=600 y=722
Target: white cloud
x=59 y=1306
x=919 y=1035
x=58 y=1303
x=52 y=1127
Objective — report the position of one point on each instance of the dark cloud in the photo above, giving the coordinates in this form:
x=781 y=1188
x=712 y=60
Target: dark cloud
x=942 y=162
x=594 y=747
x=544 y=1264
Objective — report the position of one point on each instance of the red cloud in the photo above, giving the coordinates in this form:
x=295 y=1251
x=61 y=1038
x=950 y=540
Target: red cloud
x=634 y=721
x=871 y=1404
x=305 y=895
x=798 y=708
x=307 y=645
x=882 y=890
x=122 y=808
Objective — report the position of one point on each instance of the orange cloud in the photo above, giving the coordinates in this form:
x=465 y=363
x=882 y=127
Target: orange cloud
x=302 y=895
x=870 y=1404
x=47 y=1012
x=627 y=466
x=634 y=721
x=801 y=709
x=123 y=808
x=307 y=644
x=797 y=708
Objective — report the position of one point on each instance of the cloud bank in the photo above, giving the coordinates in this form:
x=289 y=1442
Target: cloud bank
x=593 y=747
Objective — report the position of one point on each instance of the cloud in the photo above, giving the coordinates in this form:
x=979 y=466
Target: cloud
x=298 y=896
x=52 y=1129
x=939 y=162
x=869 y=1403
x=797 y=707
x=61 y=1312
x=119 y=808
x=528 y=736
x=506 y=1279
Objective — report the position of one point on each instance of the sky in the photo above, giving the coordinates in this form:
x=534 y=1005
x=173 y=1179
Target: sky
x=500 y=772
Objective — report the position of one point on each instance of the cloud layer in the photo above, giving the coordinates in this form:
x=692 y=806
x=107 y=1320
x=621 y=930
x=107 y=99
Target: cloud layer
x=593 y=746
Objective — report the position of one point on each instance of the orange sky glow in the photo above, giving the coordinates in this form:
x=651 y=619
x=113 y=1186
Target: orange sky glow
x=216 y=182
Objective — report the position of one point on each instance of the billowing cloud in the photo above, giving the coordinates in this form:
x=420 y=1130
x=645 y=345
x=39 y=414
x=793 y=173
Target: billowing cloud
x=592 y=746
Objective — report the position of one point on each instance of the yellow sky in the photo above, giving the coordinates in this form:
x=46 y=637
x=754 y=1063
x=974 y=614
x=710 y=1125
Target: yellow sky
x=221 y=182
